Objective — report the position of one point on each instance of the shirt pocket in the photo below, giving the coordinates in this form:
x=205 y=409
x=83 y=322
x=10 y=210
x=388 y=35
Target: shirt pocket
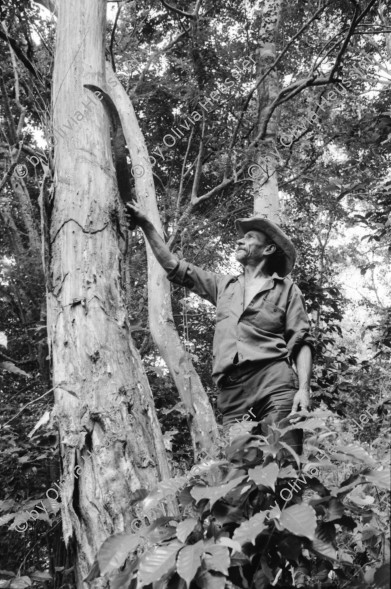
x=270 y=318
x=224 y=305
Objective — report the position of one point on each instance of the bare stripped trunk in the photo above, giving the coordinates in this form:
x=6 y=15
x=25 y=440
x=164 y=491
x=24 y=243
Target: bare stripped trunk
x=266 y=200
x=200 y=414
x=103 y=402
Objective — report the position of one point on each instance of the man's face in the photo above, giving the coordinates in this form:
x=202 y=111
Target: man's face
x=251 y=248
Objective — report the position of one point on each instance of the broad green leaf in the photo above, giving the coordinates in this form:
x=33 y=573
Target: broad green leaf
x=41 y=576
x=291 y=451
x=20 y=583
x=157 y=562
x=94 y=573
x=123 y=578
x=382 y=577
x=185 y=528
x=249 y=530
x=309 y=425
x=217 y=558
x=289 y=547
x=20 y=521
x=300 y=520
x=380 y=478
x=114 y=550
x=345 y=557
x=354 y=453
x=43 y=421
x=208 y=581
x=189 y=560
x=159 y=530
x=215 y=493
x=236 y=547
x=3 y=339
x=324 y=548
x=6 y=504
x=4 y=519
x=360 y=498
x=245 y=489
x=288 y=472
x=335 y=510
x=10 y=367
x=265 y=476
x=164 y=490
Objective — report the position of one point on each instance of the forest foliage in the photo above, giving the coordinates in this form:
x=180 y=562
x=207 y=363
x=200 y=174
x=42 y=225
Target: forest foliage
x=232 y=528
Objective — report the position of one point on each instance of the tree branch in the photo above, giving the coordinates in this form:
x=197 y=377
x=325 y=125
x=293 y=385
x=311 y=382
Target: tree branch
x=20 y=55
x=12 y=139
x=274 y=64
x=31 y=402
x=11 y=169
x=113 y=36
x=197 y=175
x=177 y=10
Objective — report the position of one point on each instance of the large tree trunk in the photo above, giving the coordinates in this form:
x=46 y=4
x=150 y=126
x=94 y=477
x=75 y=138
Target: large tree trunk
x=266 y=200
x=102 y=391
x=199 y=411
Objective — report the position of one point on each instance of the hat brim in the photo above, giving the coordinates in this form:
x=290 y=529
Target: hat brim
x=275 y=233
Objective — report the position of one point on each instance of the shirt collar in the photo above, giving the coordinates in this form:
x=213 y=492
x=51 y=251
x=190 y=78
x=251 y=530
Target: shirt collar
x=273 y=276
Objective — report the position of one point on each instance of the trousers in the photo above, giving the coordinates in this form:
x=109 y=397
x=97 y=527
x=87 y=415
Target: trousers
x=267 y=389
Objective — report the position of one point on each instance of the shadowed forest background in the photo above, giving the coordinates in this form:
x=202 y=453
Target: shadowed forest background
x=105 y=372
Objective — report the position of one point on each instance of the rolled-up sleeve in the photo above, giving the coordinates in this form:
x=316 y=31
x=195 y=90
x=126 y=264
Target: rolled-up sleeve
x=297 y=326
x=196 y=279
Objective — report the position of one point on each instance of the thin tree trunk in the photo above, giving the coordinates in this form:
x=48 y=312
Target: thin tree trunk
x=27 y=214
x=103 y=402
x=266 y=200
x=199 y=411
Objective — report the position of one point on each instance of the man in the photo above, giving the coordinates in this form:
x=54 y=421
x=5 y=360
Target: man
x=261 y=323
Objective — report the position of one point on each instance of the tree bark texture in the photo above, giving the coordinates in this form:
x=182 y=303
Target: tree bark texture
x=103 y=404
x=200 y=414
x=266 y=199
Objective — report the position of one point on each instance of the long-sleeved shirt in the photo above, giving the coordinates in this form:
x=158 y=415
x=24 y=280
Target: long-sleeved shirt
x=273 y=326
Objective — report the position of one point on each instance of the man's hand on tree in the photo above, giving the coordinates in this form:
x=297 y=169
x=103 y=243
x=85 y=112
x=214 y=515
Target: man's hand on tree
x=302 y=400
x=136 y=214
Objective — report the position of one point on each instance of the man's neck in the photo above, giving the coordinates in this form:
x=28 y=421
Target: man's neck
x=256 y=273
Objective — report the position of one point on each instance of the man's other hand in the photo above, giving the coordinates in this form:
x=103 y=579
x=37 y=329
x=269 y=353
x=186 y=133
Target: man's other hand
x=136 y=214
x=302 y=400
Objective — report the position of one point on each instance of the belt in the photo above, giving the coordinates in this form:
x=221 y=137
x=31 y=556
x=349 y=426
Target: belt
x=235 y=373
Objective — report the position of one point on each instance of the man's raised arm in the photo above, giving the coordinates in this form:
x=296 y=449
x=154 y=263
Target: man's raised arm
x=164 y=256
x=182 y=273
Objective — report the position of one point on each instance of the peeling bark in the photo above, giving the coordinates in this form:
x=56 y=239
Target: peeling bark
x=103 y=403
x=265 y=185
x=201 y=419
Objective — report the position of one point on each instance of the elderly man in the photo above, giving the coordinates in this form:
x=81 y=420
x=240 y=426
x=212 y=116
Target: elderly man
x=261 y=323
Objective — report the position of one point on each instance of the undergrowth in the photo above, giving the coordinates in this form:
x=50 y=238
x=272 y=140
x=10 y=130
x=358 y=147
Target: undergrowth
x=318 y=520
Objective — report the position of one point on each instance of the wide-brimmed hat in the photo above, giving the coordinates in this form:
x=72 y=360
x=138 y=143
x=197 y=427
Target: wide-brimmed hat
x=276 y=234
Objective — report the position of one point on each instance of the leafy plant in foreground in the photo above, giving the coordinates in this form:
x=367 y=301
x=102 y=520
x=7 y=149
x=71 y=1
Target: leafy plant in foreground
x=235 y=528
